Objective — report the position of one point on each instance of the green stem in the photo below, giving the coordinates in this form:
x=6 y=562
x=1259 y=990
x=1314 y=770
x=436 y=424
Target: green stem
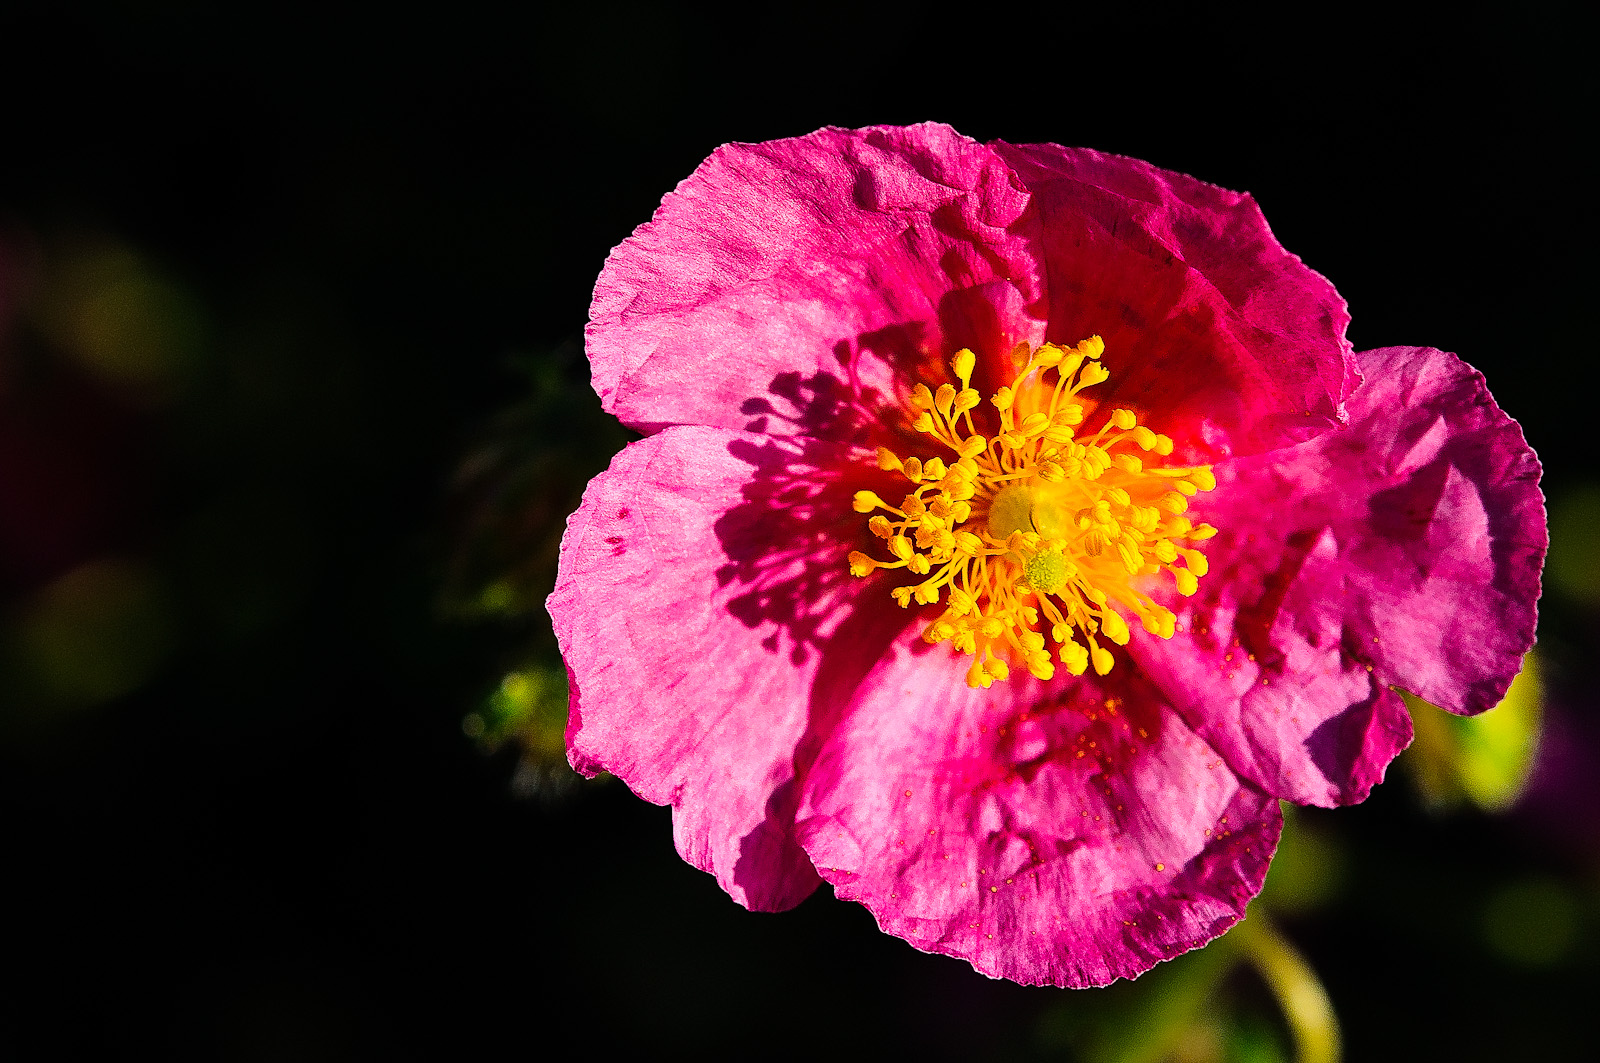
x=1299 y=994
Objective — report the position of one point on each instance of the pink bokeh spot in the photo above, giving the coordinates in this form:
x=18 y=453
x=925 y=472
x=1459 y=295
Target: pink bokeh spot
x=1382 y=529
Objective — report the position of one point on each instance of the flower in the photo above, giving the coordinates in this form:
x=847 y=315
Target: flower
x=927 y=423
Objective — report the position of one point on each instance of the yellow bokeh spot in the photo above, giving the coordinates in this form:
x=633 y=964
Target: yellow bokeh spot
x=108 y=310
x=98 y=632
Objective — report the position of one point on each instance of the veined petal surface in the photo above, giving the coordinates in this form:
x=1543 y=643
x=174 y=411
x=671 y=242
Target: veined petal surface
x=1054 y=834
x=1401 y=551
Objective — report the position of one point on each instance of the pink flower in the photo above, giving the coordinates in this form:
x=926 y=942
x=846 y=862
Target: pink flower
x=1032 y=699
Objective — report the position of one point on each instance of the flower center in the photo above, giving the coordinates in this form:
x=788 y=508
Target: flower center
x=1031 y=531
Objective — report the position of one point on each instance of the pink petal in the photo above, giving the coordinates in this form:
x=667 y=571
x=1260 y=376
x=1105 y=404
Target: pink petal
x=1064 y=834
x=701 y=584
x=1225 y=339
x=873 y=247
x=1401 y=551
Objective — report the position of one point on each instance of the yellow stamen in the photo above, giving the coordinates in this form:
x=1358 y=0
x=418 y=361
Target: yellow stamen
x=1031 y=530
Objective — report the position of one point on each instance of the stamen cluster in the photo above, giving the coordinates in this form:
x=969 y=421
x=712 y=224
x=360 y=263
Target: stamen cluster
x=1029 y=531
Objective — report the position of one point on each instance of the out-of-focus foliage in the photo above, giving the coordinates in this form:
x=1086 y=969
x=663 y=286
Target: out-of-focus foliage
x=1572 y=568
x=528 y=712
x=516 y=487
x=1248 y=997
x=1483 y=759
x=512 y=494
x=1532 y=921
x=1310 y=870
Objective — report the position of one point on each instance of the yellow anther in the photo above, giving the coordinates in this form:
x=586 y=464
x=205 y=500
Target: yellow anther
x=1035 y=423
x=962 y=365
x=1158 y=621
x=1026 y=532
x=1058 y=433
x=866 y=502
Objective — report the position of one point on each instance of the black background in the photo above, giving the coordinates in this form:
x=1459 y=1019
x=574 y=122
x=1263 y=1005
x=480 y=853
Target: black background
x=283 y=846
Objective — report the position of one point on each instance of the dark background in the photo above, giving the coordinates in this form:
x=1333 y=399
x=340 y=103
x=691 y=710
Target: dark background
x=380 y=232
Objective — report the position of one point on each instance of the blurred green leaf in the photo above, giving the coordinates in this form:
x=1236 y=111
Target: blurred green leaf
x=528 y=711
x=1533 y=922
x=1308 y=871
x=515 y=489
x=1484 y=759
x=1573 y=565
x=1146 y=1020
